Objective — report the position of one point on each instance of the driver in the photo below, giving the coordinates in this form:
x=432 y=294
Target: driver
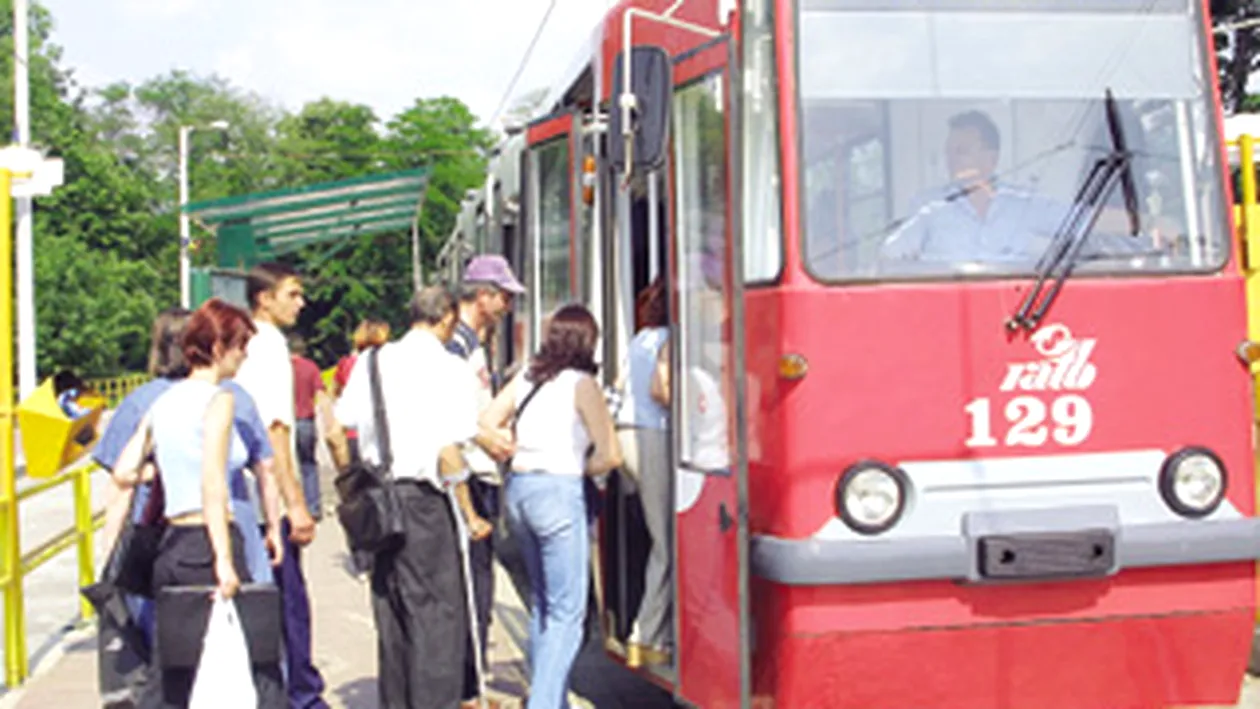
x=976 y=217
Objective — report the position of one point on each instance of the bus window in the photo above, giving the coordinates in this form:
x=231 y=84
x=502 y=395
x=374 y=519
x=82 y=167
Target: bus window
x=554 y=200
x=957 y=153
x=763 y=241
x=700 y=164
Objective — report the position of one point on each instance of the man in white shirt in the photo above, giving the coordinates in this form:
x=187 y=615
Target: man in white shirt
x=418 y=598
x=275 y=299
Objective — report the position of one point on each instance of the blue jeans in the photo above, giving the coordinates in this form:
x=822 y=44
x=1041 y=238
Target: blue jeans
x=546 y=514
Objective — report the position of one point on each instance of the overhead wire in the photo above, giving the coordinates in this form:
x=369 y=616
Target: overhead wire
x=520 y=69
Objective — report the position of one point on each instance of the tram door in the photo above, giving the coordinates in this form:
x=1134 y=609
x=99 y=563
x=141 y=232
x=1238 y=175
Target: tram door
x=712 y=641
x=639 y=252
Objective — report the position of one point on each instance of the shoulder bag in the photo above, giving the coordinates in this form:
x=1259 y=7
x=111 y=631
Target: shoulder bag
x=369 y=511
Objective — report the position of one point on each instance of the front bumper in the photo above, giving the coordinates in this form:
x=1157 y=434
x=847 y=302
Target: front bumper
x=962 y=557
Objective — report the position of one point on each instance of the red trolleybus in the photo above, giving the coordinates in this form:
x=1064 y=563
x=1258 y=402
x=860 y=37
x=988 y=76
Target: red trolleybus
x=958 y=416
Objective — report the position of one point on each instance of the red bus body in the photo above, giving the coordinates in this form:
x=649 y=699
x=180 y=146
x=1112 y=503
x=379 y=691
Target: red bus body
x=1062 y=429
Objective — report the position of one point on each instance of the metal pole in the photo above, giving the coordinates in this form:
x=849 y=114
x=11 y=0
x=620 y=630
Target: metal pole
x=25 y=262
x=185 y=296
x=465 y=559
x=15 y=660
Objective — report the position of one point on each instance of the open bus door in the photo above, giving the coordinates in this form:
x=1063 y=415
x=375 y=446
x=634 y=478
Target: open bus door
x=712 y=631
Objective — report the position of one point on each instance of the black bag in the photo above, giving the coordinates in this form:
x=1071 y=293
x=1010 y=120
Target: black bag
x=369 y=511
x=183 y=612
x=129 y=567
x=122 y=648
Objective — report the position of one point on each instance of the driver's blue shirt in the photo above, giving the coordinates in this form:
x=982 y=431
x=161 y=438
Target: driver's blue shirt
x=946 y=227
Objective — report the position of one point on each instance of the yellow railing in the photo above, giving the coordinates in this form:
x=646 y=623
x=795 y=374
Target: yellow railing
x=1247 y=218
x=113 y=389
x=14 y=565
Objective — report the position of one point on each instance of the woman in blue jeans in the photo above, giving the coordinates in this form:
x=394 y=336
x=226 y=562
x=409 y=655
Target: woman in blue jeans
x=563 y=431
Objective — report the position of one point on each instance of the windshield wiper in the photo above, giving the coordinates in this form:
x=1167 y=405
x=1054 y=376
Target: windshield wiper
x=1063 y=253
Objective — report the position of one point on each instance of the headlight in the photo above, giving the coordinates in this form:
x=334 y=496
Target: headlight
x=871 y=497
x=1192 y=482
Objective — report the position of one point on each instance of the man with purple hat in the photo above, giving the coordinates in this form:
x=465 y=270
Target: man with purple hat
x=486 y=294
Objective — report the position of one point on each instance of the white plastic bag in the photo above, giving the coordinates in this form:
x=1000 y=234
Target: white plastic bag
x=224 y=677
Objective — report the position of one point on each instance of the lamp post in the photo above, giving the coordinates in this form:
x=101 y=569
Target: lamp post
x=185 y=266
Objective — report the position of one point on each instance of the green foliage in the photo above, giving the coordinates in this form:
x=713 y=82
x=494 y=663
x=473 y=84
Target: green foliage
x=106 y=244
x=1237 y=51
x=372 y=276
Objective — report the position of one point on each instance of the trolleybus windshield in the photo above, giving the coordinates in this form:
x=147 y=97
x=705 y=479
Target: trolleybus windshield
x=949 y=138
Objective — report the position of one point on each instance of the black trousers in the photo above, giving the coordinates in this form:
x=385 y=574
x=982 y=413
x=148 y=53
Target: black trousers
x=186 y=558
x=486 y=500
x=418 y=603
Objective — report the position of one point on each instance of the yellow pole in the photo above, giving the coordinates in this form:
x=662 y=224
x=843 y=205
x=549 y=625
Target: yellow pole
x=1246 y=160
x=83 y=524
x=1247 y=169
x=1251 y=278
x=15 y=660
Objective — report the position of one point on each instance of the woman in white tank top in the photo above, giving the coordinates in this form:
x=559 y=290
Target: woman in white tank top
x=562 y=431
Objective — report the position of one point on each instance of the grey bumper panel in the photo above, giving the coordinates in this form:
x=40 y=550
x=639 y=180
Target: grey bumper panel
x=817 y=562
x=1176 y=543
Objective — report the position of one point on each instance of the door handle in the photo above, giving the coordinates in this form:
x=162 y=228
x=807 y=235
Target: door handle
x=725 y=520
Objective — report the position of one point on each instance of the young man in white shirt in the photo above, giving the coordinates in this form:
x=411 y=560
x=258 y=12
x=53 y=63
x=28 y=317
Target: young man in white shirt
x=418 y=597
x=275 y=299
x=486 y=294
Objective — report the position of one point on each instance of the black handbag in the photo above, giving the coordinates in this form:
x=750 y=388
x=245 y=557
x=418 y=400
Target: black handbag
x=183 y=612
x=369 y=512
x=129 y=567
x=122 y=654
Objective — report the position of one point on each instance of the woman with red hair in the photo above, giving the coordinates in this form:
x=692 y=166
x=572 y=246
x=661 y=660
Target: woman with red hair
x=189 y=431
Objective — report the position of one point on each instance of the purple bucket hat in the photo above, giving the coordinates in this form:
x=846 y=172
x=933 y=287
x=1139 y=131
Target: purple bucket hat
x=493 y=270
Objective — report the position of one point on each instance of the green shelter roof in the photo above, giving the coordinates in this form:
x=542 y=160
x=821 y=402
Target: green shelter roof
x=255 y=227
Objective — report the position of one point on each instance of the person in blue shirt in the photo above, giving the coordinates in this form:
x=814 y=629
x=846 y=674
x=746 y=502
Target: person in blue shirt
x=69 y=387
x=978 y=218
x=167 y=366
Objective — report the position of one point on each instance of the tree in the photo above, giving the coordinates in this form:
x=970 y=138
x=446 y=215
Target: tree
x=95 y=291
x=329 y=140
x=440 y=134
x=1237 y=51
x=333 y=140
x=371 y=276
x=106 y=242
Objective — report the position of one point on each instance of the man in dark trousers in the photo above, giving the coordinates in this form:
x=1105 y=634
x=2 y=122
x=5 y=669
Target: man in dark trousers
x=486 y=295
x=275 y=299
x=418 y=597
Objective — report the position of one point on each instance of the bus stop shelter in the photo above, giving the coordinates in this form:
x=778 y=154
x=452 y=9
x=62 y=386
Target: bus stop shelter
x=263 y=226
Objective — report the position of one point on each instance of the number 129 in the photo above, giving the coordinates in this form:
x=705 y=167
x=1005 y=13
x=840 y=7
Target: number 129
x=1071 y=417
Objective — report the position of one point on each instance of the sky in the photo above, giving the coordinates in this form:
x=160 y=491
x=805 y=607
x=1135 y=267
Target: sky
x=383 y=53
